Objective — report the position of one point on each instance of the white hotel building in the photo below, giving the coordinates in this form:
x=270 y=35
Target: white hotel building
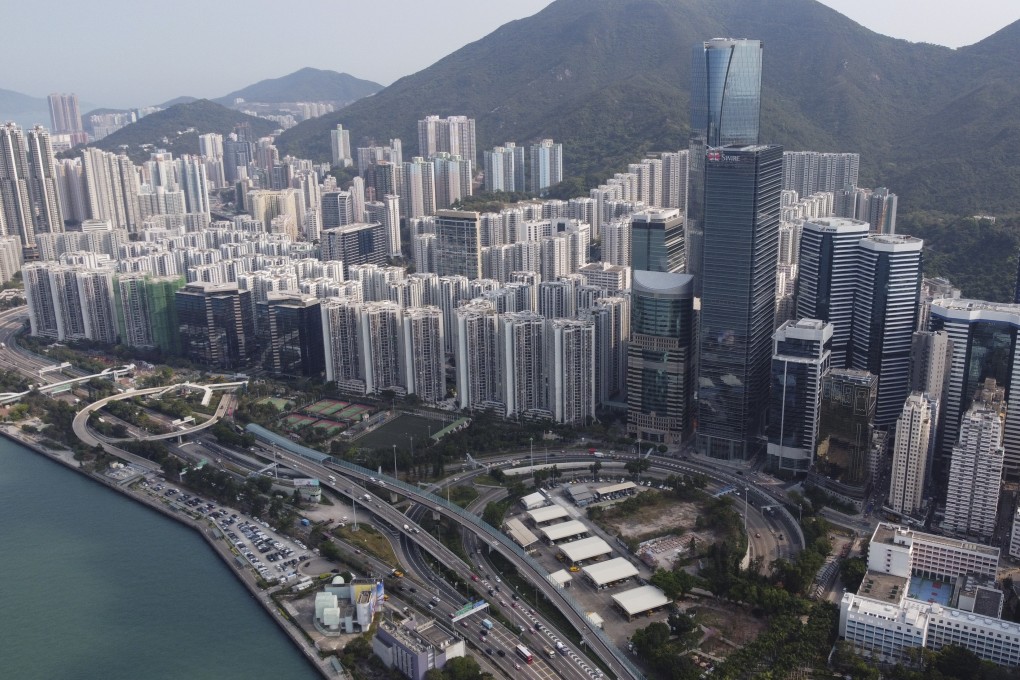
x=883 y=620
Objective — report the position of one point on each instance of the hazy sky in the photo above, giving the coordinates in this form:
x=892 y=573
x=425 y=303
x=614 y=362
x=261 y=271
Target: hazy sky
x=122 y=53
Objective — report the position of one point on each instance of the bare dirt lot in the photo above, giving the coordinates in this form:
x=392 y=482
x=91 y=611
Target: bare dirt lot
x=666 y=524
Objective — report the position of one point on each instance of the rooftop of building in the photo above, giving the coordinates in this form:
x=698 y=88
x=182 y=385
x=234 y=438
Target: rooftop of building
x=886 y=533
x=884 y=587
x=965 y=305
x=836 y=224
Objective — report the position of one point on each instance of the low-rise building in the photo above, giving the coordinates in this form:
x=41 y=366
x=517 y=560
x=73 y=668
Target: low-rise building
x=415 y=647
x=927 y=591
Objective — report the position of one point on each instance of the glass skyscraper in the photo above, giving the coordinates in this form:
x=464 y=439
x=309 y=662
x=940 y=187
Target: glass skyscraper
x=657 y=240
x=725 y=110
x=741 y=252
x=660 y=358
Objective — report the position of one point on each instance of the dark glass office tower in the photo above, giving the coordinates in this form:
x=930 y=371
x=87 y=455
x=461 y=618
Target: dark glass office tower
x=657 y=240
x=725 y=108
x=660 y=372
x=741 y=251
x=289 y=328
x=216 y=325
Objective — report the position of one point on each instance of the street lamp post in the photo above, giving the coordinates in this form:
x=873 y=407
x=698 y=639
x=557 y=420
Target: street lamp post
x=395 y=475
x=532 y=439
x=745 y=509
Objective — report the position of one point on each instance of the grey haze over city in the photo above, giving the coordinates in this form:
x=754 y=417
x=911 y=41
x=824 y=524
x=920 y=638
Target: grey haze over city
x=341 y=36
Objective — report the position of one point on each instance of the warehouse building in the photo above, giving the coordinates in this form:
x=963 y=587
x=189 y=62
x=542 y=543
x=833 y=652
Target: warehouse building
x=640 y=600
x=554 y=533
x=576 y=552
x=610 y=572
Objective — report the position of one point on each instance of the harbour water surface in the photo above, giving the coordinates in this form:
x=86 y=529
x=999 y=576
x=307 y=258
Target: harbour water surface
x=94 y=585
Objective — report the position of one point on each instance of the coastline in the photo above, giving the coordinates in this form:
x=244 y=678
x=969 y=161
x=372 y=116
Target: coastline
x=218 y=545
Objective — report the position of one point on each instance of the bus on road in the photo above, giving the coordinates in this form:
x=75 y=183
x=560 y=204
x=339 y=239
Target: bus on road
x=523 y=652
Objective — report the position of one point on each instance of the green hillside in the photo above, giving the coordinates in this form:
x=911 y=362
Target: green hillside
x=610 y=79
x=177 y=128
x=308 y=84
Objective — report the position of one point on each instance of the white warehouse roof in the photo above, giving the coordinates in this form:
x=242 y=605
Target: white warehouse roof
x=638 y=600
x=557 y=532
x=534 y=500
x=560 y=577
x=610 y=571
x=520 y=533
x=542 y=515
x=615 y=488
x=585 y=549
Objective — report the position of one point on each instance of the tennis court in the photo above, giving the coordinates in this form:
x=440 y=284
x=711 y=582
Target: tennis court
x=334 y=408
x=353 y=412
x=323 y=405
x=295 y=421
x=927 y=590
x=329 y=426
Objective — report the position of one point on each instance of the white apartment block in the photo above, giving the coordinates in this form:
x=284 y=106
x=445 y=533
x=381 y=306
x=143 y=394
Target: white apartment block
x=975 y=474
x=910 y=455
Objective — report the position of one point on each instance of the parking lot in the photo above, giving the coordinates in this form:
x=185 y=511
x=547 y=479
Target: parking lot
x=272 y=556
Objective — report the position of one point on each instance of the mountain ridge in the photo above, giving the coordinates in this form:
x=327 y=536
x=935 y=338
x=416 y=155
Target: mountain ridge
x=610 y=79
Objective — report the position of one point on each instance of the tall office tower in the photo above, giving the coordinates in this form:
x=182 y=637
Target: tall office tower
x=827 y=278
x=357 y=190
x=660 y=358
x=424 y=357
x=808 y=172
x=337 y=209
x=616 y=242
x=66 y=117
x=657 y=240
x=477 y=352
x=289 y=328
x=674 y=179
x=570 y=367
x=381 y=328
x=546 y=166
x=910 y=455
x=96 y=293
x=845 y=425
x=523 y=365
x=340 y=143
x=458 y=245
x=216 y=325
x=975 y=474
x=418 y=188
x=984 y=342
x=885 y=310
x=500 y=166
x=725 y=108
x=452 y=179
x=800 y=358
x=741 y=251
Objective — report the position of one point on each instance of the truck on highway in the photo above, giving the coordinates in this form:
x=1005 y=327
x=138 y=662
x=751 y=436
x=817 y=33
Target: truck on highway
x=487 y=623
x=407 y=528
x=598 y=454
x=366 y=497
x=332 y=479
